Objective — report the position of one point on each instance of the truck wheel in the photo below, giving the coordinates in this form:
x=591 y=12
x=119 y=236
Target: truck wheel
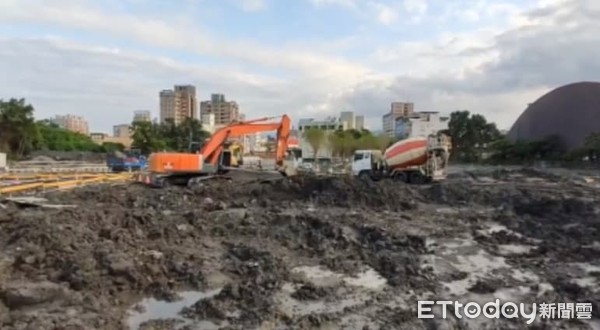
x=364 y=176
x=400 y=177
x=417 y=178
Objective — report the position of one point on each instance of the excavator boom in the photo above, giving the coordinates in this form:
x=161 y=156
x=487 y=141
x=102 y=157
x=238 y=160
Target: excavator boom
x=180 y=168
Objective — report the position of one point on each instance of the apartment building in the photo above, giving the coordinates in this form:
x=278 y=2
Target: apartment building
x=225 y=112
x=72 y=123
x=141 y=116
x=178 y=103
x=397 y=110
x=420 y=124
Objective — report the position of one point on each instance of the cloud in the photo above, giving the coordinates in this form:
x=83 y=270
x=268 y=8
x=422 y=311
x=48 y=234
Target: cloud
x=173 y=35
x=494 y=72
x=343 y=3
x=418 y=7
x=385 y=14
x=495 y=69
x=252 y=5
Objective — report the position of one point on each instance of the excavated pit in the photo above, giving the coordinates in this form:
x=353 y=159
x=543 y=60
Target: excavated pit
x=316 y=253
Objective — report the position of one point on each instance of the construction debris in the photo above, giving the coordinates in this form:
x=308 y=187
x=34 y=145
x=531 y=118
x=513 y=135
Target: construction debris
x=317 y=253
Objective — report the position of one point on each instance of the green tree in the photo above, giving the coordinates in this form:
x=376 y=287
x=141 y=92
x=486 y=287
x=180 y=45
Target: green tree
x=190 y=130
x=19 y=134
x=55 y=138
x=591 y=146
x=147 y=136
x=112 y=147
x=471 y=135
x=316 y=137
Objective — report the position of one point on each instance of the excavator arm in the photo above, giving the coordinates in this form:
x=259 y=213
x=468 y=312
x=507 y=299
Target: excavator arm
x=213 y=148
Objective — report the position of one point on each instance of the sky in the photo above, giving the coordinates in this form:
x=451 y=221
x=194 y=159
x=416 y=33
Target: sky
x=305 y=58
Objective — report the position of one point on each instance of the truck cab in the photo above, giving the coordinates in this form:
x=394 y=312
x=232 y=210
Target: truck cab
x=367 y=164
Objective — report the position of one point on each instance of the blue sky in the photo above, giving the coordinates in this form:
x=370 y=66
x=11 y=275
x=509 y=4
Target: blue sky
x=105 y=59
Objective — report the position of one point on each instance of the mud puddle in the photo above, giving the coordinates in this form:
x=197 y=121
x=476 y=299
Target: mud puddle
x=150 y=309
x=368 y=278
x=343 y=291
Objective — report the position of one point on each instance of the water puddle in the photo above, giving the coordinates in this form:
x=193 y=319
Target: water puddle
x=525 y=276
x=319 y=276
x=369 y=279
x=585 y=275
x=153 y=309
x=512 y=249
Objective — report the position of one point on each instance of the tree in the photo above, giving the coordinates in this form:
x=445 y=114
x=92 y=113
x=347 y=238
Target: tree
x=19 y=132
x=383 y=141
x=190 y=130
x=592 y=146
x=147 y=137
x=471 y=135
x=316 y=137
x=55 y=138
x=112 y=147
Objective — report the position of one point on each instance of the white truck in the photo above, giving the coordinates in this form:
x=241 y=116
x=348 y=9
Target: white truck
x=413 y=160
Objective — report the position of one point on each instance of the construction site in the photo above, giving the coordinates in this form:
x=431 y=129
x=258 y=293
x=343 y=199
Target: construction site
x=193 y=241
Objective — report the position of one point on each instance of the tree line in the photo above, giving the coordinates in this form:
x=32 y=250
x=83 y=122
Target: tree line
x=151 y=136
x=343 y=143
x=21 y=134
x=474 y=139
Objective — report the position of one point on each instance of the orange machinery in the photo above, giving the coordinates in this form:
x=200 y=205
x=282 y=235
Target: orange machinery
x=165 y=168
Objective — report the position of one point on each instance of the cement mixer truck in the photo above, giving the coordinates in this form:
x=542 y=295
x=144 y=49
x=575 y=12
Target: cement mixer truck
x=413 y=160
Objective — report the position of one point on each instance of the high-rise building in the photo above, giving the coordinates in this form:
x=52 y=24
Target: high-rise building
x=178 y=104
x=141 y=115
x=403 y=109
x=397 y=110
x=121 y=131
x=347 y=119
x=359 y=122
x=167 y=105
x=72 y=123
x=225 y=112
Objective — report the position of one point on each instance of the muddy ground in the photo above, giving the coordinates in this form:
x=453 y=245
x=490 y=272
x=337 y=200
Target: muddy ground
x=327 y=253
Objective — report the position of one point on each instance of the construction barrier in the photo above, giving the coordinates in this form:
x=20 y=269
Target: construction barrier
x=13 y=184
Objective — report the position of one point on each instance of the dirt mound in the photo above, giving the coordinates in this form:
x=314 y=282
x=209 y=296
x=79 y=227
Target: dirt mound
x=293 y=254
x=322 y=191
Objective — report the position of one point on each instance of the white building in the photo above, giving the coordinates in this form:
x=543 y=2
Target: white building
x=347 y=119
x=420 y=124
x=329 y=125
x=359 y=122
x=208 y=122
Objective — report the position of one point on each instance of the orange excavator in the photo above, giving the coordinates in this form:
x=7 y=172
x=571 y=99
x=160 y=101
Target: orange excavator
x=213 y=159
